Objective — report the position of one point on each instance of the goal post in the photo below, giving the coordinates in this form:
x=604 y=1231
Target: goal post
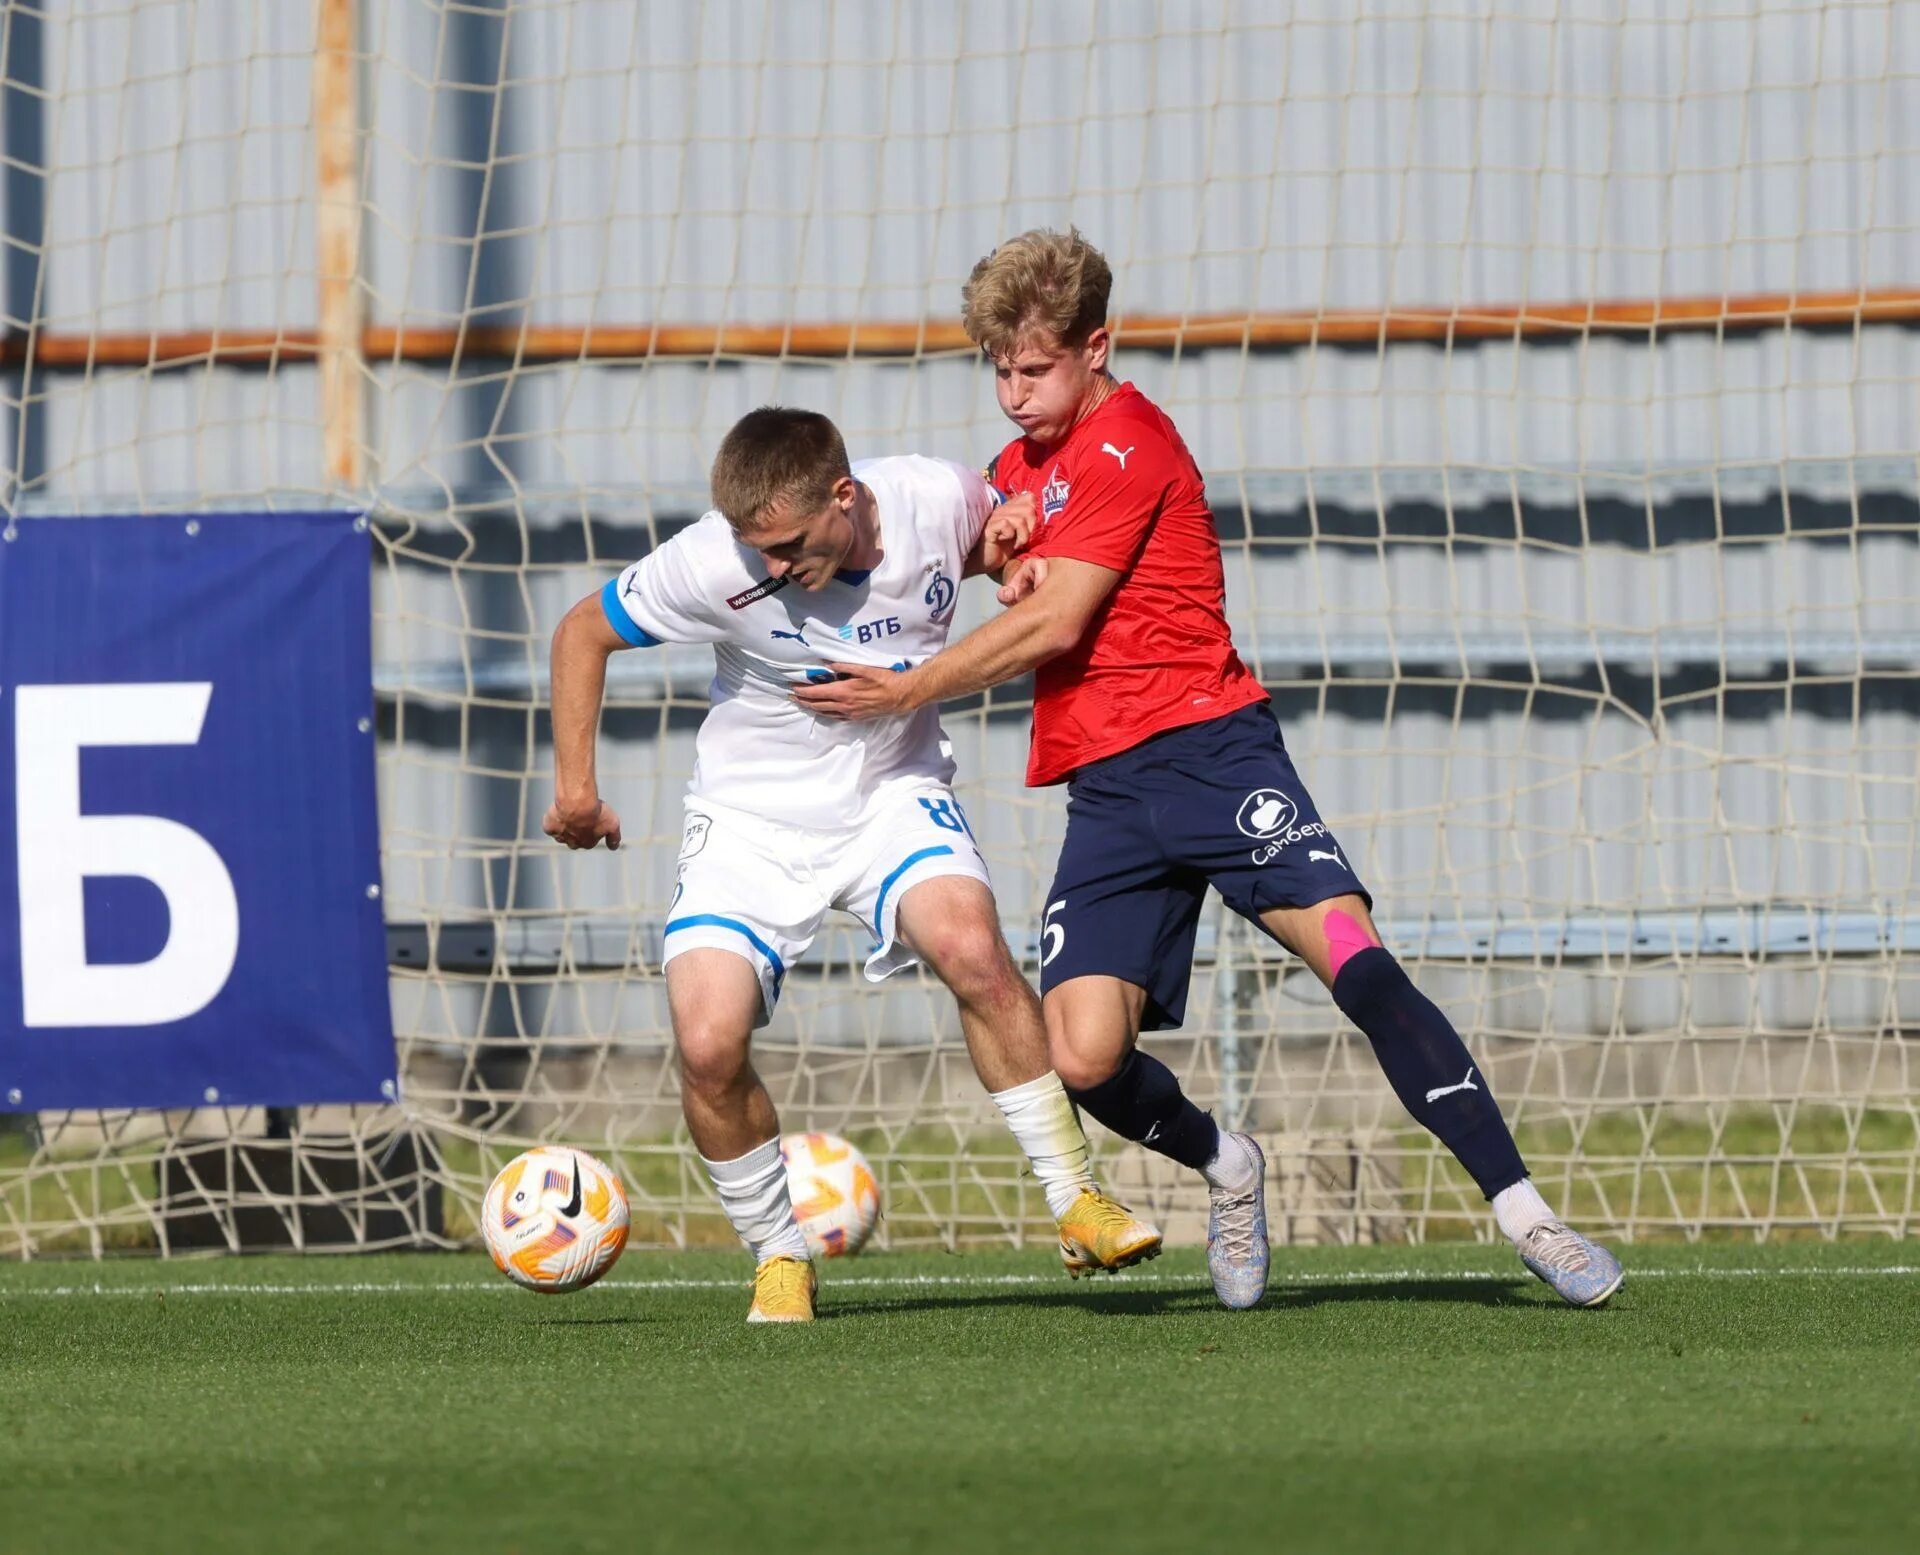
x=1553 y=374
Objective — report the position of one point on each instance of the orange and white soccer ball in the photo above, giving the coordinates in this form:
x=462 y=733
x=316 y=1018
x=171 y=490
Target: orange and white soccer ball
x=836 y=1197
x=555 y=1219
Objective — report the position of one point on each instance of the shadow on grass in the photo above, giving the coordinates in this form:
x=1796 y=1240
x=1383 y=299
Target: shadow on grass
x=1121 y=1301
x=592 y=1322
x=1495 y=1291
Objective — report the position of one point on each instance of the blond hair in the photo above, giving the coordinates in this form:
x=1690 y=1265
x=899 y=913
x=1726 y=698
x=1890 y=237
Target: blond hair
x=1042 y=280
x=777 y=454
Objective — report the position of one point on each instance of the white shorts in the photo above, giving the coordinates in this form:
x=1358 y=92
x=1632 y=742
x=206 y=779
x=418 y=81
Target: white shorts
x=762 y=890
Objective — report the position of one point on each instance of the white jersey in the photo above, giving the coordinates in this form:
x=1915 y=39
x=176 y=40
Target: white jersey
x=759 y=751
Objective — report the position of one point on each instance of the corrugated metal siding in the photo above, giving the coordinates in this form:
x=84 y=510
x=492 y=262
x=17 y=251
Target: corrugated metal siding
x=755 y=162
x=750 y=161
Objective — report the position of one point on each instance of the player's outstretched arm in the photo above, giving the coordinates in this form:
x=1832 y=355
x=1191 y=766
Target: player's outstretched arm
x=582 y=644
x=1048 y=622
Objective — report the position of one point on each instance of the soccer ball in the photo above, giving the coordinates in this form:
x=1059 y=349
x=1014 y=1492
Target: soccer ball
x=836 y=1197
x=555 y=1219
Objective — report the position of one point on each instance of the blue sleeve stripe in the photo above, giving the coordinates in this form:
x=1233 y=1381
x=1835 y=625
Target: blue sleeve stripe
x=620 y=621
x=695 y=920
x=907 y=863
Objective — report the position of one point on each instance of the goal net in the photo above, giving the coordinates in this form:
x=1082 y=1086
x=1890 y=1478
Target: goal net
x=1553 y=373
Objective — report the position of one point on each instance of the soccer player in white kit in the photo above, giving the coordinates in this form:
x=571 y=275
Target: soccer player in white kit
x=804 y=560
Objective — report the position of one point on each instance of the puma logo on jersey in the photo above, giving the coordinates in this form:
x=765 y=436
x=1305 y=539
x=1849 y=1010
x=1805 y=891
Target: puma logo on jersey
x=1120 y=454
x=799 y=637
x=1314 y=854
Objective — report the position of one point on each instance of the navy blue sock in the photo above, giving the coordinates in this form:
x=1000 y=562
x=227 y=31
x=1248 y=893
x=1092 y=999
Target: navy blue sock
x=1428 y=1066
x=1143 y=1102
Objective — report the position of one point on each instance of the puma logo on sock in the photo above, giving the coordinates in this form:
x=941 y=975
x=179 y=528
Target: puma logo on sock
x=1447 y=1090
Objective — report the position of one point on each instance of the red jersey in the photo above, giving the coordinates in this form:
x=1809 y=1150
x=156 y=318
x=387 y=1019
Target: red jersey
x=1123 y=492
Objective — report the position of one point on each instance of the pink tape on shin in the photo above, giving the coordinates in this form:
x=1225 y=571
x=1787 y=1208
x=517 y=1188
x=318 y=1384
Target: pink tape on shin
x=1345 y=939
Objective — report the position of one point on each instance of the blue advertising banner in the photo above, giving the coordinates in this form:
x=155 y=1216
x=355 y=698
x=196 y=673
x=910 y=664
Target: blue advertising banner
x=189 y=856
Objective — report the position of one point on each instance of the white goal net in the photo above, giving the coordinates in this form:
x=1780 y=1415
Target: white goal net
x=1553 y=370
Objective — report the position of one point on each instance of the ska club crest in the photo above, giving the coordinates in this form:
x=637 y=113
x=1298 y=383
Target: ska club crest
x=1053 y=496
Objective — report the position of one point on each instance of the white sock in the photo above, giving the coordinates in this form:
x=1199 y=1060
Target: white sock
x=753 y=1192
x=1519 y=1209
x=1044 y=1126
x=1232 y=1169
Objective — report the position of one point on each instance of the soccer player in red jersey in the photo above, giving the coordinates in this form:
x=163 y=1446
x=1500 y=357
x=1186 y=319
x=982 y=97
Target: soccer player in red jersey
x=1177 y=776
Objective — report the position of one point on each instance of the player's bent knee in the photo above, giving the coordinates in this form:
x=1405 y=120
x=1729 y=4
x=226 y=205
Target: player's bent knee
x=713 y=1062
x=987 y=982
x=1092 y=1025
x=1084 y=1059
x=973 y=961
x=1078 y=1072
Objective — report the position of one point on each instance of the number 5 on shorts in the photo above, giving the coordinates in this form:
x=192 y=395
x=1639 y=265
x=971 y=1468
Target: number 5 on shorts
x=1053 y=936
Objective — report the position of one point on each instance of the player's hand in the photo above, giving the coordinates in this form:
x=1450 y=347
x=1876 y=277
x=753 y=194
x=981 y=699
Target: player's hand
x=584 y=825
x=1009 y=527
x=1026 y=575
x=863 y=691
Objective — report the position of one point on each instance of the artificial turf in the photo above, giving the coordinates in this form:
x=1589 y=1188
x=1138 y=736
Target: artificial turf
x=1394 y=1399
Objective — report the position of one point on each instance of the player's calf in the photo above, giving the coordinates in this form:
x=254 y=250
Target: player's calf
x=713 y=996
x=1142 y=1101
x=1093 y=1023
x=1428 y=1065
x=952 y=925
x=1438 y=1082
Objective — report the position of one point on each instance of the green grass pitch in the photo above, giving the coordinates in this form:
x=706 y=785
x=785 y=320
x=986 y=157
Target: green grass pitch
x=1392 y=1399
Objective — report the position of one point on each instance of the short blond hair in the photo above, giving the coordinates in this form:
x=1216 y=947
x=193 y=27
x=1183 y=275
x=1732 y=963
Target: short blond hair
x=777 y=454
x=1042 y=280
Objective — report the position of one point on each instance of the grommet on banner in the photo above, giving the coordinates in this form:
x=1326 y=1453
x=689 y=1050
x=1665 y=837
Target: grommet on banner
x=193 y=526
x=373 y=891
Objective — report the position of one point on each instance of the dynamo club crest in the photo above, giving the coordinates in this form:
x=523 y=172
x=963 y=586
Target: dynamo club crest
x=940 y=595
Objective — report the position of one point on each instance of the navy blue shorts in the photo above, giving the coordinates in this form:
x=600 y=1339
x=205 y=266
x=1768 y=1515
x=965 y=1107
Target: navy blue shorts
x=1149 y=829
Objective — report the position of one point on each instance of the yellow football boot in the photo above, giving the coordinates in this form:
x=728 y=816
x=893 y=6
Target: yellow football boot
x=1097 y=1234
x=783 y=1291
